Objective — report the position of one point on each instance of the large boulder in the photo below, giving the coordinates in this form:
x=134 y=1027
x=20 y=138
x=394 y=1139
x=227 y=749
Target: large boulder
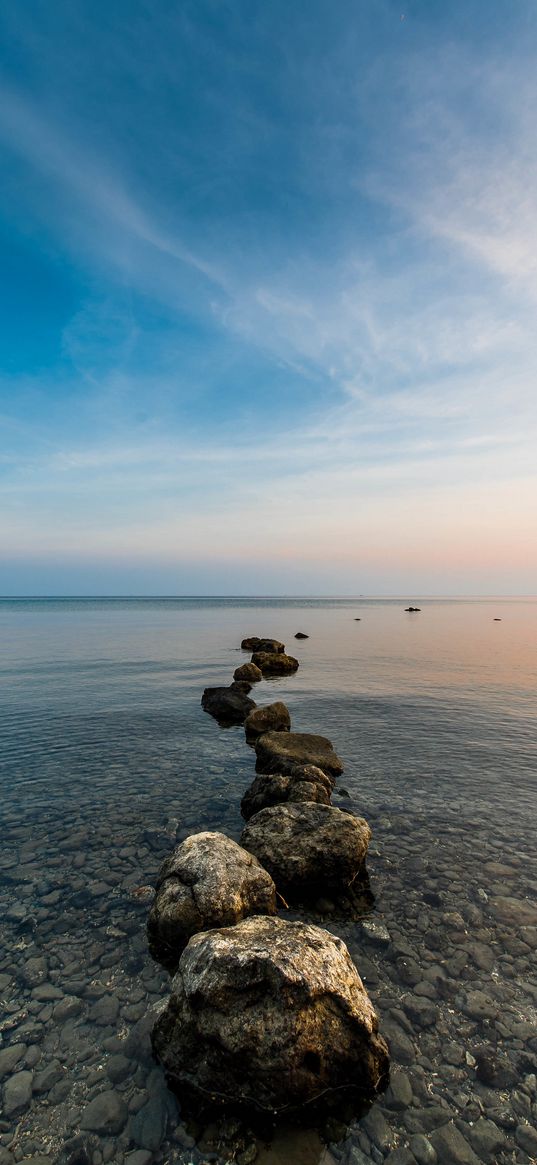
x=274 y=663
x=271 y=718
x=254 y=643
x=270 y=1014
x=305 y=783
x=248 y=672
x=308 y=849
x=279 y=752
x=207 y=881
x=227 y=705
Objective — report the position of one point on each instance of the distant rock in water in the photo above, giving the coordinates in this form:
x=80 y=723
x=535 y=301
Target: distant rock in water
x=275 y=663
x=279 y=752
x=271 y=1015
x=227 y=705
x=249 y=672
x=254 y=643
x=307 y=848
x=207 y=881
x=273 y=717
x=412 y=608
x=306 y=783
x=301 y=635
x=496 y=619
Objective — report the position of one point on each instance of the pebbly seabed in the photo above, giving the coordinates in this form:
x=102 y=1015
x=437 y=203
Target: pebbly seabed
x=447 y=955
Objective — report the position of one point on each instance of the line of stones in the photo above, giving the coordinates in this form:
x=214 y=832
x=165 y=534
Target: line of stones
x=265 y=1011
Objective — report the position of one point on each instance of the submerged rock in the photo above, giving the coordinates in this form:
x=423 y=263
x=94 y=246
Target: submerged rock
x=305 y=783
x=272 y=718
x=249 y=672
x=274 y=663
x=254 y=643
x=308 y=848
x=282 y=751
x=208 y=881
x=227 y=705
x=271 y=1015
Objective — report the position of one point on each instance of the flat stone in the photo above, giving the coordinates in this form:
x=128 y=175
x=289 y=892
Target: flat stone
x=106 y=1113
x=279 y=752
x=514 y=912
x=378 y=1129
x=105 y=1011
x=9 y=1057
x=48 y=1077
x=399 y=1092
x=451 y=1147
x=148 y=1127
x=486 y=1138
x=18 y=1092
x=526 y=1137
x=422 y=1149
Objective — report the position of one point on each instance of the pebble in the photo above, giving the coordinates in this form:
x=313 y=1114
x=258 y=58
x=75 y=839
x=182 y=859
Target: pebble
x=18 y=1092
x=451 y=1147
x=9 y=1057
x=422 y=1149
x=106 y=1113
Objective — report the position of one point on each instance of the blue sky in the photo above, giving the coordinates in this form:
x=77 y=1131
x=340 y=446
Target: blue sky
x=269 y=281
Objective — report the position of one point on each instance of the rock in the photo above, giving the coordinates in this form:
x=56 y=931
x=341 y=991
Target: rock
x=105 y=1011
x=307 y=848
x=271 y=1014
x=493 y=1069
x=400 y=1157
x=399 y=1091
x=514 y=912
x=412 y=608
x=76 y=1151
x=148 y=1127
x=422 y=1149
x=227 y=705
x=106 y=1113
x=451 y=1147
x=139 y=1157
x=9 y=1057
x=18 y=1092
x=280 y=752
x=378 y=1129
x=48 y=1077
x=526 y=1137
x=377 y=932
x=271 y=718
x=118 y=1068
x=301 y=635
x=486 y=1139
x=208 y=881
x=254 y=643
x=272 y=663
x=249 y=672
x=305 y=783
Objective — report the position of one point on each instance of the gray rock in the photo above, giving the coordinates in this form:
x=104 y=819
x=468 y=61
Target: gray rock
x=270 y=1013
x=486 y=1138
x=227 y=705
x=105 y=1011
x=271 y=718
x=308 y=849
x=106 y=1113
x=400 y=1157
x=451 y=1147
x=275 y=663
x=9 y=1057
x=526 y=1137
x=422 y=1149
x=139 y=1157
x=378 y=1129
x=35 y=970
x=48 y=1077
x=118 y=1068
x=280 y=752
x=18 y=1092
x=208 y=881
x=305 y=783
x=376 y=932
x=514 y=912
x=248 y=672
x=399 y=1091
x=148 y=1127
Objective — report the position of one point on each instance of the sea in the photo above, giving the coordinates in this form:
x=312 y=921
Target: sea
x=108 y=761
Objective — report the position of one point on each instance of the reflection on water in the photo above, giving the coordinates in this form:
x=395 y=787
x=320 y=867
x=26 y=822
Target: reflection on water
x=107 y=760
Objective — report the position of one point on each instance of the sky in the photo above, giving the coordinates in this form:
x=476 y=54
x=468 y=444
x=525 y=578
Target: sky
x=268 y=297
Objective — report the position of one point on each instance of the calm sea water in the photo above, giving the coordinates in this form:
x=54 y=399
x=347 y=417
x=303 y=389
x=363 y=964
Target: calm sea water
x=107 y=760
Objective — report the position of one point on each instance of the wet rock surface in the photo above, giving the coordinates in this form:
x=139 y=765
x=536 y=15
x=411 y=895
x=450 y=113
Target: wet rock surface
x=228 y=705
x=207 y=881
x=248 y=672
x=308 y=848
x=255 y=643
x=281 y=752
x=272 y=718
x=271 y=663
x=270 y=1012
x=303 y=784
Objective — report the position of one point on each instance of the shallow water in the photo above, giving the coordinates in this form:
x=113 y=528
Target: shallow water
x=107 y=760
